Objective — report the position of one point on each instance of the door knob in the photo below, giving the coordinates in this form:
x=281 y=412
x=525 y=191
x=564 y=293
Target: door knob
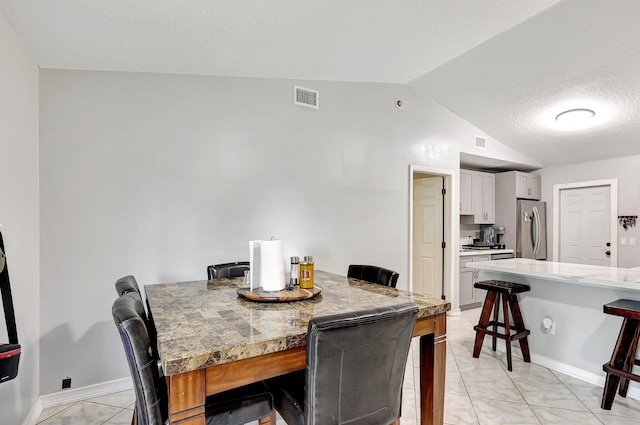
x=608 y=252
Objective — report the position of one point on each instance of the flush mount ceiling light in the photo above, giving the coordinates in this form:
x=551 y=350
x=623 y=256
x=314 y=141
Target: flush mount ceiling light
x=575 y=118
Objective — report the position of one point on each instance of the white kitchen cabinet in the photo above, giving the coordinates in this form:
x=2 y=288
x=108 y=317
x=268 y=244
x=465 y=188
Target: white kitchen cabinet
x=527 y=185
x=466 y=192
x=466 y=289
x=484 y=198
x=468 y=296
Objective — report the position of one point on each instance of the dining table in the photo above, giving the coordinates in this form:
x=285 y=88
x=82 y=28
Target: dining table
x=211 y=339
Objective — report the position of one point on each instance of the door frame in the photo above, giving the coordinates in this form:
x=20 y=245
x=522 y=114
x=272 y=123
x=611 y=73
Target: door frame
x=448 y=220
x=613 y=188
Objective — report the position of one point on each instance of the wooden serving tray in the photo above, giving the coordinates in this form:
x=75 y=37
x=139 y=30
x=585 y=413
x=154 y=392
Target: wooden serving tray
x=279 y=296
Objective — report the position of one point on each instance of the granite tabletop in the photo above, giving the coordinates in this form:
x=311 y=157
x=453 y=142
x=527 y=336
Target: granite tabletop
x=205 y=323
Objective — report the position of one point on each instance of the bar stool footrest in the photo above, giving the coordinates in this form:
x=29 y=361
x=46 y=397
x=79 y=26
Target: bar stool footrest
x=513 y=327
x=622 y=374
x=513 y=337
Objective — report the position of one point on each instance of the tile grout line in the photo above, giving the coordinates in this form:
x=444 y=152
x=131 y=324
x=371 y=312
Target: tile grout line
x=455 y=359
x=568 y=387
x=466 y=388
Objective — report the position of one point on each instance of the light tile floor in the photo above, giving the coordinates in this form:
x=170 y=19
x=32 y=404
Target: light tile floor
x=478 y=391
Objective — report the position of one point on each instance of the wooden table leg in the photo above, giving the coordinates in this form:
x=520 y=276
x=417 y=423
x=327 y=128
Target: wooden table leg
x=186 y=398
x=433 y=356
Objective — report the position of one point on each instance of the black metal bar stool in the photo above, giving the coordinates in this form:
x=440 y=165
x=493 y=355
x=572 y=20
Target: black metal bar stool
x=619 y=369
x=508 y=291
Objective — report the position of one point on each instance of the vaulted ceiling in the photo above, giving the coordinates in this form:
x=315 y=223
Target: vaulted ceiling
x=506 y=66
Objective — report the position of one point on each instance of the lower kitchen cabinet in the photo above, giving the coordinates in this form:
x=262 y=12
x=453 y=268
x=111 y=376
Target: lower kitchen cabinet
x=470 y=297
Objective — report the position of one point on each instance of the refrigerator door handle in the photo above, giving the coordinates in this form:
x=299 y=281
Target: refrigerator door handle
x=536 y=236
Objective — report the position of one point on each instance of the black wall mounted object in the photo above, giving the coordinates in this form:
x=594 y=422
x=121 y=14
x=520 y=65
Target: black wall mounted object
x=9 y=352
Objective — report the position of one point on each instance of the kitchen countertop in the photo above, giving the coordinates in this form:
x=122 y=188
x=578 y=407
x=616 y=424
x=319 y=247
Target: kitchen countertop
x=471 y=252
x=581 y=274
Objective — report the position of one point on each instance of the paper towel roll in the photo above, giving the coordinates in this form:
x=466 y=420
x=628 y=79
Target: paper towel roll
x=254 y=264
x=271 y=265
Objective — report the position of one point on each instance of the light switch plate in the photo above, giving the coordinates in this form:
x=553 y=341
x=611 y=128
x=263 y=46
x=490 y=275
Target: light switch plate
x=632 y=241
x=623 y=241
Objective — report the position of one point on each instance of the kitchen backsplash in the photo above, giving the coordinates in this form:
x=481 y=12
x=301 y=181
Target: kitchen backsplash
x=467 y=230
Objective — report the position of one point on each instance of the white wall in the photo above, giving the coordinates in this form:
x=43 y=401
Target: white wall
x=161 y=175
x=626 y=171
x=19 y=215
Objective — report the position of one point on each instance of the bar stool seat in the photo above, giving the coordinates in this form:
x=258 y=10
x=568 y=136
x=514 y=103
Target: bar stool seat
x=619 y=369
x=508 y=291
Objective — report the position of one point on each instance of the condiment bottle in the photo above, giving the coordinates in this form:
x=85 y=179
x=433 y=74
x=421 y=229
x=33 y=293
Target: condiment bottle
x=306 y=273
x=295 y=271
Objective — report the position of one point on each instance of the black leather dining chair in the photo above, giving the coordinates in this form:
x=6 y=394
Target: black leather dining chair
x=354 y=369
x=127 y=284
x=151 y=332
x=234 y=407
x=227 y=270
x=374 y=274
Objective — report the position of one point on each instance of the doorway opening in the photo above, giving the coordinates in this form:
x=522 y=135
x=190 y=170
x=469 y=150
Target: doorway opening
x=589 y=212
x=430 y=268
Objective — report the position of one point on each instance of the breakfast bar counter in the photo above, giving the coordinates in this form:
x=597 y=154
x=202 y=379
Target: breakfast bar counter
x=579 y=274
x=581 y=337
x=211 y=340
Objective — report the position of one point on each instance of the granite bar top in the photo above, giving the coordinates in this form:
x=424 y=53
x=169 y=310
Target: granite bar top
x=205 y=323
x=580 y=274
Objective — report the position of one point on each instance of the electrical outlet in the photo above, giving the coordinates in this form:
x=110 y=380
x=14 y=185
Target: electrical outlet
x=623 y=241
x=632 y=241
x=66 y=383
x=548 y=326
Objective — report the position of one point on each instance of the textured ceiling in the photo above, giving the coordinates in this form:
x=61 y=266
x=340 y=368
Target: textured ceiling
x=578 y=54
x=506 y=66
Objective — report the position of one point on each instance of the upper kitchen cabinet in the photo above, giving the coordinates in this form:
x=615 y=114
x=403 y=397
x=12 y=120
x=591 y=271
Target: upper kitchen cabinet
x=484 y=198
x=477 y=196
x=466 y=192
x=524 y=185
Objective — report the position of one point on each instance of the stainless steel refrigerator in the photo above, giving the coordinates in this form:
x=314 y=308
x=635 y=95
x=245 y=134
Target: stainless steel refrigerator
x=531 y=236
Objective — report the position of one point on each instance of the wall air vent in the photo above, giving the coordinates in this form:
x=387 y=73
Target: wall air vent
x=481 y=142
x=306 y=97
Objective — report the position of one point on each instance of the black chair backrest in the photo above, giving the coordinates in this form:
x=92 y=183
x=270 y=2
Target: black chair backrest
x=151 y=403
x=227 y=270
x=127 y=284
x=355 y=365
x=374 y=274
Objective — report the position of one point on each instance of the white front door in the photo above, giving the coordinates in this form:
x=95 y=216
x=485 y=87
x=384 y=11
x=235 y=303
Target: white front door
x=427 y=236
x=585 y=223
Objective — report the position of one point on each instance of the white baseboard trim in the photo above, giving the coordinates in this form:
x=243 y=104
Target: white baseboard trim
x=34 y=414
x=574 y=372
x=454 y=312
x=581 y=374
x=584 y=375
x=84 y=393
